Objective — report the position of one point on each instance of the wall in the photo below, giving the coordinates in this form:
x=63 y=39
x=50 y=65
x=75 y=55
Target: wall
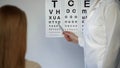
x=49 y=52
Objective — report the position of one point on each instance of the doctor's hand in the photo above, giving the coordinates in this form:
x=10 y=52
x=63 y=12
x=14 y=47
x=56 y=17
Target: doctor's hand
x=70 y=37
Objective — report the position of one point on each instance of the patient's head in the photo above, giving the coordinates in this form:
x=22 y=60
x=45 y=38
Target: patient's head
x=13 y=28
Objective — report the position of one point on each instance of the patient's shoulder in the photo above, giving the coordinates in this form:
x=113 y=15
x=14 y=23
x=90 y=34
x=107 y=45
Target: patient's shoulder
x=31 y=64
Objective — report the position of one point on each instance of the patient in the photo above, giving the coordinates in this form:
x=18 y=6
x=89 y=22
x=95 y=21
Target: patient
x=13 y=31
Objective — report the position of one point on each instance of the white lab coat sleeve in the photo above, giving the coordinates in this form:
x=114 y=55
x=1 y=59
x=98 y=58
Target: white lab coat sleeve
x=81 y=40
x=112 y=17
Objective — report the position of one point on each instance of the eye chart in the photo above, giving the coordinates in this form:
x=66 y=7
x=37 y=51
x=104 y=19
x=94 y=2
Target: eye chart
x=71 y=16
x=63 y=15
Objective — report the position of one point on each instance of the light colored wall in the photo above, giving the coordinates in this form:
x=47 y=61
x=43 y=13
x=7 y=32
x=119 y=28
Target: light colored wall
x=49 y=52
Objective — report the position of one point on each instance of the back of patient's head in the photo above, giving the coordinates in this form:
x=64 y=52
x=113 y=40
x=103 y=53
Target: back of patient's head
x=12 y=37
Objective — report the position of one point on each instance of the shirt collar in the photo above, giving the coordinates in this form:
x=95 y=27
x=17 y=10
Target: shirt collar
x=95 y=5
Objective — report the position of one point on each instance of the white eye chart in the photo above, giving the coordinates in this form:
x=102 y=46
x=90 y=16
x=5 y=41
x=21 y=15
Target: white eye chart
x=64 y=15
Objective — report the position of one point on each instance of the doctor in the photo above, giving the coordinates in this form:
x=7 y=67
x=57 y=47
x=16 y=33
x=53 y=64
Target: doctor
x=101 y=33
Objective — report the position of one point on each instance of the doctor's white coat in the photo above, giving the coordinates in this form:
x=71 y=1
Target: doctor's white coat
x=101 y=35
